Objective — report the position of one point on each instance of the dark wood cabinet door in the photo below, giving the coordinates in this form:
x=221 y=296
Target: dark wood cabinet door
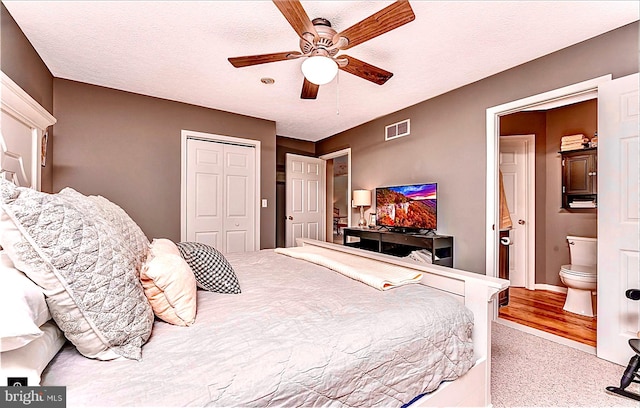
x=579 y=176
x=578 y=171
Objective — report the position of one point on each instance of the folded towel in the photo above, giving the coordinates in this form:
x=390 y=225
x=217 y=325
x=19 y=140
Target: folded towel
x=572 y=144
x=572 y=141
x=377 y=274
x=584 y=204
x=572 y=137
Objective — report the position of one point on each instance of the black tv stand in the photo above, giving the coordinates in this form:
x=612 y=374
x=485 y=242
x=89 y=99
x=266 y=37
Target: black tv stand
x=401 y=244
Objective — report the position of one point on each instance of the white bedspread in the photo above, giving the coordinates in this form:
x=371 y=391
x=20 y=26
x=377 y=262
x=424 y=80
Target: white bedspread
x=297 y=335
x=380 y=275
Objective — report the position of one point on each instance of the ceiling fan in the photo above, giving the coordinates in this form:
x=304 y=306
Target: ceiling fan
x=320 y=44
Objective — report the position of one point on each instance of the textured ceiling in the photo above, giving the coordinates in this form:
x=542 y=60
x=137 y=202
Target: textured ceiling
x=178 y=50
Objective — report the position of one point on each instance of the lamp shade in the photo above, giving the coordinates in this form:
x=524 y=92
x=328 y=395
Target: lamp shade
x=362 y=198
x=319 y=70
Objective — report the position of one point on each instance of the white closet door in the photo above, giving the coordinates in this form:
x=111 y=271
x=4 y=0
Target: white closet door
x=239 y=198
x=205 y=173
x=221 y=195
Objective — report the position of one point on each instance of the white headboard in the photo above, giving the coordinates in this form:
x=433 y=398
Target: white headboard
x=23 y=122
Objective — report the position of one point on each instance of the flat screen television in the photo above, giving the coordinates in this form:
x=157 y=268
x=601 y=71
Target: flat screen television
x=407 y=207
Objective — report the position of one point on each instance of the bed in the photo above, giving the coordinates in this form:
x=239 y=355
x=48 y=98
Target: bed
x=120 y=328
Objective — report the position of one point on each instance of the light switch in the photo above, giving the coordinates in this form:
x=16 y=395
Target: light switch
x=264 y=203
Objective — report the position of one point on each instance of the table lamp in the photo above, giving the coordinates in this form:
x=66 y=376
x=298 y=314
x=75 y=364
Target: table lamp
x=362 y=198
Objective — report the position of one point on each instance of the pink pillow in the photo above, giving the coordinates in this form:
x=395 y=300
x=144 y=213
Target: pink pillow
x=169 y=284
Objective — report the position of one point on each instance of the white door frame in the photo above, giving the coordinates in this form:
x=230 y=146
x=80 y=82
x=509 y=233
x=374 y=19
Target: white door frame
x=574 y=92
x=333 y=155
x=530 y=211
x=210 y=137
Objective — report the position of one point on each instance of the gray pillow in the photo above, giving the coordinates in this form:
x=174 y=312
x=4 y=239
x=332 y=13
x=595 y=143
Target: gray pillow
x=212 y=270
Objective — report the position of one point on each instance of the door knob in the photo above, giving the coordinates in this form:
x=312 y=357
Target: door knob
x=290 y=217
x=521 y=222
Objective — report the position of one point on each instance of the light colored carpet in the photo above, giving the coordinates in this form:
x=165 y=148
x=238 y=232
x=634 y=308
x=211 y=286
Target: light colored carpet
x=529 y=371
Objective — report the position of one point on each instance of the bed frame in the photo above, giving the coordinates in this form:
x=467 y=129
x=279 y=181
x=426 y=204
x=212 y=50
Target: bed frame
x=478 y=293
x=24 y=124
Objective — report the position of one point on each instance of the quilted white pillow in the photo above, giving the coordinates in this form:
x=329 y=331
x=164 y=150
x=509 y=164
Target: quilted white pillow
x=84 y=267
x=136 y=241
x=169 y=284
x=22 y=307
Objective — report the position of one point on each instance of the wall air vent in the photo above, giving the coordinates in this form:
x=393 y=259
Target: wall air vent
x=397 y=130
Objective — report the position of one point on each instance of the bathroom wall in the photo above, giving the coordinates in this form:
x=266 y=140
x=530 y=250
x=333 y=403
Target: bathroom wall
x=569 y=120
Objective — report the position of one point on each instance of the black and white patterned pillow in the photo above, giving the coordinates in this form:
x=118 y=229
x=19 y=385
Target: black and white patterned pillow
x=212 y=270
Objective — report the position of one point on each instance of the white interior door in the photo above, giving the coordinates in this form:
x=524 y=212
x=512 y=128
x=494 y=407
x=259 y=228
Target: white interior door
x=220 y=195
x=618 y=216
x=305 y=179
x=513 y=165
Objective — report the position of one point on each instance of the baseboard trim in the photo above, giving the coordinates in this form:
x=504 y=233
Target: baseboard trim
x=550 y=288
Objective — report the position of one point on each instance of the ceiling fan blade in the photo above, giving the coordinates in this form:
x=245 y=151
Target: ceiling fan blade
x=293 y=11
x=365 y=71
x=387 y=19
x=309 y=90
x=239 y=62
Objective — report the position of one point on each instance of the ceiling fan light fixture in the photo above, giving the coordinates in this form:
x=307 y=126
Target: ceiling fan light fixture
x=319 y=69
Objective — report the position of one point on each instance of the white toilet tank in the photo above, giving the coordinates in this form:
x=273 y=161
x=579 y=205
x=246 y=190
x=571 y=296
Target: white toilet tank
x=583 y=250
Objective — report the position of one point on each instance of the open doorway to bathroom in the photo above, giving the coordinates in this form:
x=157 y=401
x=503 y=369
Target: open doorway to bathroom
x=537 y=295
x=338 y=193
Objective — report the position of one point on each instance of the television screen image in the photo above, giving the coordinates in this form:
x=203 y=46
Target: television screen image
x=411 y=206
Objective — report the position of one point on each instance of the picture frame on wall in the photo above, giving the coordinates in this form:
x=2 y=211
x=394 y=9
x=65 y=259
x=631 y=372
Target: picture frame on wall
x=43 y=149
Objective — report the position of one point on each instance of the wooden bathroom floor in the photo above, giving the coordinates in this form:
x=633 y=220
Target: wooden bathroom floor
x=542 y=310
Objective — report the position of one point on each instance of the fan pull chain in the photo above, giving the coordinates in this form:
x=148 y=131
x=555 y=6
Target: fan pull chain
x=338 y=94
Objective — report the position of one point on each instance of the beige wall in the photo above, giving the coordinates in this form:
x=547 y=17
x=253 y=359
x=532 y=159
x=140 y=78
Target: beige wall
x=573 y=119
x=448 y=135
x=126 y=147
x=20 y=62
x=553 y=224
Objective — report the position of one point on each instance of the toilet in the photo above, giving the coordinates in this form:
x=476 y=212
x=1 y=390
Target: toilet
x=581 y=275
